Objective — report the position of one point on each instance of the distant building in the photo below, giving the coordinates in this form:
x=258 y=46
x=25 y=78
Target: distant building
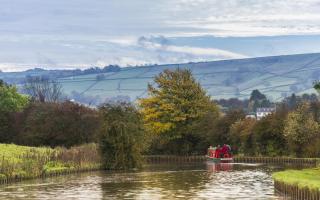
x=262 y=112
x=251 y=116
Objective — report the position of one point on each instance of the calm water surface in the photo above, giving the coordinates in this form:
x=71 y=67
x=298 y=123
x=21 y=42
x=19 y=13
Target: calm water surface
x=191 y=181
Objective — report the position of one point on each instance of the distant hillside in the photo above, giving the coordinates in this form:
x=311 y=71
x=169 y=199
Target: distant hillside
x=276 y=76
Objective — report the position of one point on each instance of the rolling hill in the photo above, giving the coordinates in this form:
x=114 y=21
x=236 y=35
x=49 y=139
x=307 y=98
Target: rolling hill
x=276 y=76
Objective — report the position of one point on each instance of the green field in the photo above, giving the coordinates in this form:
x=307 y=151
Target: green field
x=277 y=77
x=29 y=162
x=303 y=178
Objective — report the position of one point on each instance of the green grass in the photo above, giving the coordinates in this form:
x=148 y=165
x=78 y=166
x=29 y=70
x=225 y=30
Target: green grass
x=237 y=78
x=29 y=162
x=303 y=178
x=244 y=74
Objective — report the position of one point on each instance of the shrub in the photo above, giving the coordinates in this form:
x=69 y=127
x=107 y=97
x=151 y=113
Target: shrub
x=122 y=136
x=58 y=124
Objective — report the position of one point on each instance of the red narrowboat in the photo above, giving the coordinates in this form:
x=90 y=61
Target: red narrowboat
x=220 y=154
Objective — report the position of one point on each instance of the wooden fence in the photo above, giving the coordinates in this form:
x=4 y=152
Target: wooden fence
x=172 y=159
x=294 y=192
x=311 y=162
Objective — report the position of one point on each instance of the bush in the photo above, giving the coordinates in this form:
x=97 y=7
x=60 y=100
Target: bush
x=57 y=124
x=301 y=130
x=269 y=136
x=242 y=135
x=122 y=136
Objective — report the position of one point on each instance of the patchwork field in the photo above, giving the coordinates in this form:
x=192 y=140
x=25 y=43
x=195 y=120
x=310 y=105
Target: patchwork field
x=276 y=76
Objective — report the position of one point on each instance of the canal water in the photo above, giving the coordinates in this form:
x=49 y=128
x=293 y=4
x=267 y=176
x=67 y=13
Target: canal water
x=165 y=181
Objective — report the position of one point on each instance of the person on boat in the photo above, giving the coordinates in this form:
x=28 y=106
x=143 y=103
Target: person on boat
x=218 y=152
x=211 y=151
x=229 y=148
x=224 y=149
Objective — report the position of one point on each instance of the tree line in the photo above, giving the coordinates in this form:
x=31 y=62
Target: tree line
x=185 y=120
x=42 y=118
x=177 y=117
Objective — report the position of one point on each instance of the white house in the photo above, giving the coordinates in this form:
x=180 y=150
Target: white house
x=251 y=116
x=262 y=112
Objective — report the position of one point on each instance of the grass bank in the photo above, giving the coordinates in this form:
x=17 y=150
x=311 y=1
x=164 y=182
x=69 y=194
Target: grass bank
x=309 y=178
x=21 y=162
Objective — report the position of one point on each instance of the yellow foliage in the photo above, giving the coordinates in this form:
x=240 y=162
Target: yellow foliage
x=177 y=99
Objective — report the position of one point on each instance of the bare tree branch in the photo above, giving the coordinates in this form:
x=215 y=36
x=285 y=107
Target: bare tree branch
x=43 y=89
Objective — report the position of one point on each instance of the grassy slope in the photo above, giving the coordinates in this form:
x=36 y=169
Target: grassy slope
x=222 y=79
x=303 y=178
x=28 y=162
x=275 y=76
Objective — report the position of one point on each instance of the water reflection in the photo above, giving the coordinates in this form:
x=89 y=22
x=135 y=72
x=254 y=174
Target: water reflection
x=212 y=167
x=199 y=181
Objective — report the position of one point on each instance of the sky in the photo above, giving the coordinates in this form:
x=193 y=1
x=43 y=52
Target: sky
x=56 y=34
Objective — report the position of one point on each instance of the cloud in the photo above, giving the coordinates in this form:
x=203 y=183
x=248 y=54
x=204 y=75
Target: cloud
x=247 y=17
x=205 y=51
x=160 y=50
x=164 y=45
x=77 y=33
x=125 y=18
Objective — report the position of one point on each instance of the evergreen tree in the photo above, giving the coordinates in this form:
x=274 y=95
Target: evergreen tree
x=316 y=86
x=257 y=99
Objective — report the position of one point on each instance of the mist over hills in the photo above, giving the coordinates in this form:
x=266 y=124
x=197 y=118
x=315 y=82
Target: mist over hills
x=276 y=76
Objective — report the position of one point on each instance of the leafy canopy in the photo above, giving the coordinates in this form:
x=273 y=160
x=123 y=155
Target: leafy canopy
x=242 y=135
x=301 y=128
x=175 y=102
x=10 y=99
x=122 y=136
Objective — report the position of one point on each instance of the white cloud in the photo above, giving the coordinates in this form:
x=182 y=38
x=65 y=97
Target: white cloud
x=158 y=50
x=205 y=51
x=127 y=18
x=81 y=32
x=217 y=54
x=245 y=17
